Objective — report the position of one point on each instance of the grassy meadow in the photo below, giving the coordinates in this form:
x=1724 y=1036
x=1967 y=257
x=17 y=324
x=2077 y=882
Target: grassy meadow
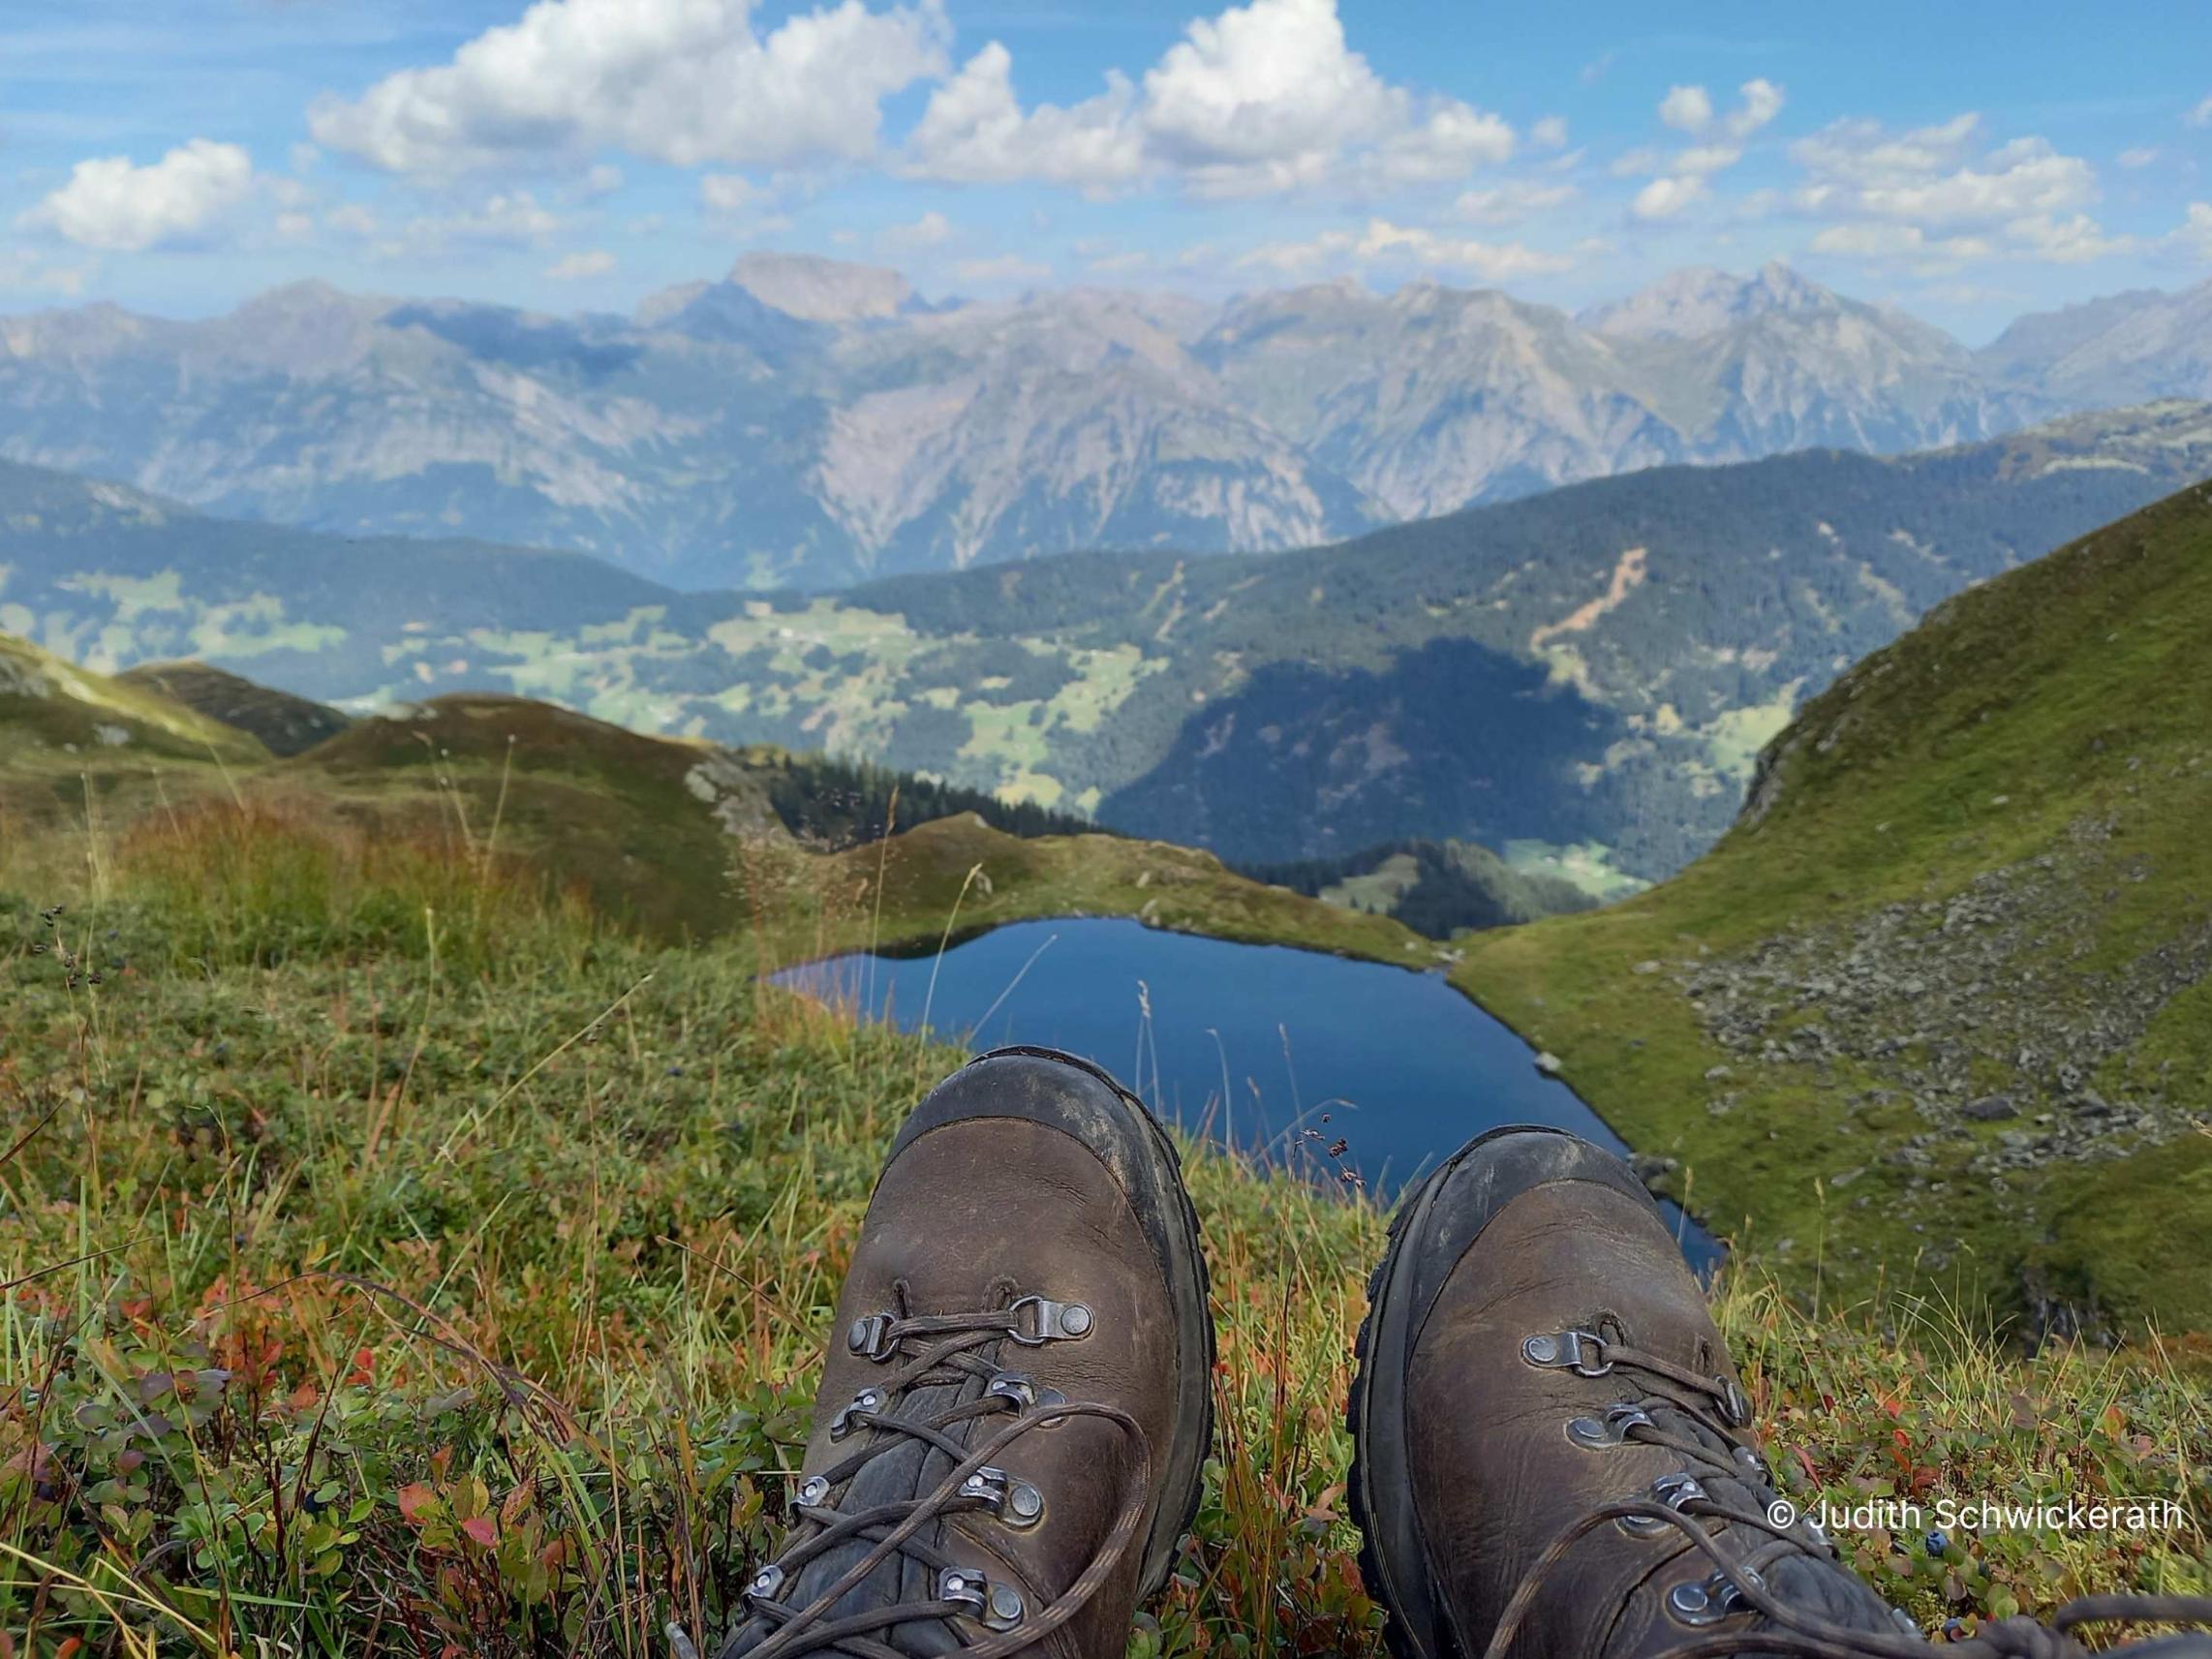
x=404 y=1254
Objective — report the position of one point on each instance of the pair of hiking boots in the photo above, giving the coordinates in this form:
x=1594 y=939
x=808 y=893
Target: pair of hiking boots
x=1553 y=1452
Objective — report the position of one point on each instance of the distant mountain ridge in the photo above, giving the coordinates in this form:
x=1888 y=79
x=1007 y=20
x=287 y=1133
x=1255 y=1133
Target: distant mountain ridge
x=1578 y=680
x=1696 y=303
x=2129 y=348
x=809 y=423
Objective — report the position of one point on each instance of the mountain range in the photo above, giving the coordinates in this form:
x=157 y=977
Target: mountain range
x=804 y=423
x=1578 y=680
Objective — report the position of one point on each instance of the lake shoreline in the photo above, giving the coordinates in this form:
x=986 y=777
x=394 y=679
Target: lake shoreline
x=1334 y=1017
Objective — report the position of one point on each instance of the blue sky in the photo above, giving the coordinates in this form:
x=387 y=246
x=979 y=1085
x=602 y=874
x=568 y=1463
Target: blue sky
x=1966 y=161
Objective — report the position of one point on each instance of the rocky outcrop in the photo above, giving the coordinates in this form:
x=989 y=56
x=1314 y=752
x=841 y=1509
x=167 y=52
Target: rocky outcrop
x=1990 y=1013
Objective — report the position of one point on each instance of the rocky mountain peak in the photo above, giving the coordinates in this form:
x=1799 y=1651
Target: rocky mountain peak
x=309 y=297
x=816 y=290
x=304 y=327
x=1692 y=304
x=89 y=330
x=908 y=435
x=657 y=307
x=2127 y=347
x=728 y=313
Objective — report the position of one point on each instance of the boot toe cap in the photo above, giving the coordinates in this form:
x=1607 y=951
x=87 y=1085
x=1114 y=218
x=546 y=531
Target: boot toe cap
x=1062 y=1091
x=1476 y=1185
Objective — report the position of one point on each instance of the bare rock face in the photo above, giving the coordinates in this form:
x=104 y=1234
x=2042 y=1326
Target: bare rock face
x=1697 y=304
x=822 y=291
x=20 y=677
x=1767 y=778
x=731 y=789
x=1930 y=999
x=2128 y=348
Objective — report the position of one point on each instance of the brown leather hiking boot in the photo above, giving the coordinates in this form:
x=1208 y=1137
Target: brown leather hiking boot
x=1552 y=1452
x=1017 y=1400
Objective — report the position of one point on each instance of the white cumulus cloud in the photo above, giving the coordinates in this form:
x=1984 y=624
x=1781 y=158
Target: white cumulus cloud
x=1683 y=177
x=927 y=231
x=2194 y=237
x=577 y=267
x=730 y=192
x=682 y=81
x=1941 y=195
x=1687 y=109
x=1431 y=250
x=1453 y=141
x=1761 y=103
x=1261 y=98
x=509 y=219
x=1703 y=158
x=1265 y=93
x=2070 y=242
x=113 y=206
x=1968 y=198
x=974 y=131
x=1665 y=196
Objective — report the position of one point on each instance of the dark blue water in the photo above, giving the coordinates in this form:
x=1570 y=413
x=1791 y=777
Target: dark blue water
x=1356 y=1072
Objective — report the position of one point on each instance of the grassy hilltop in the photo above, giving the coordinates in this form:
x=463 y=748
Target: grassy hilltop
x=1941 y=1001
x=672 y=838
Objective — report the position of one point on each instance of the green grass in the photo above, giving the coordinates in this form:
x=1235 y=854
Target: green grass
x=958 y=876
x=2053 y=727
x=403 y=1259
x=281 y=722
x=55 y=712
x=677 y=840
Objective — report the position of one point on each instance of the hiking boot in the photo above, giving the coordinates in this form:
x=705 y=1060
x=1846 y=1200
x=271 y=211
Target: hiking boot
x=1016 y=1402
x=1554 y=1452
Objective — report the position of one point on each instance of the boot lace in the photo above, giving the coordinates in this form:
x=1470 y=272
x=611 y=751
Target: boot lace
x=938 y=1350
x=1722 y=1478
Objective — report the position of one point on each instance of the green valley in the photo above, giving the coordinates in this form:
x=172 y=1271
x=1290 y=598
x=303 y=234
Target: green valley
x=1584 y=675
